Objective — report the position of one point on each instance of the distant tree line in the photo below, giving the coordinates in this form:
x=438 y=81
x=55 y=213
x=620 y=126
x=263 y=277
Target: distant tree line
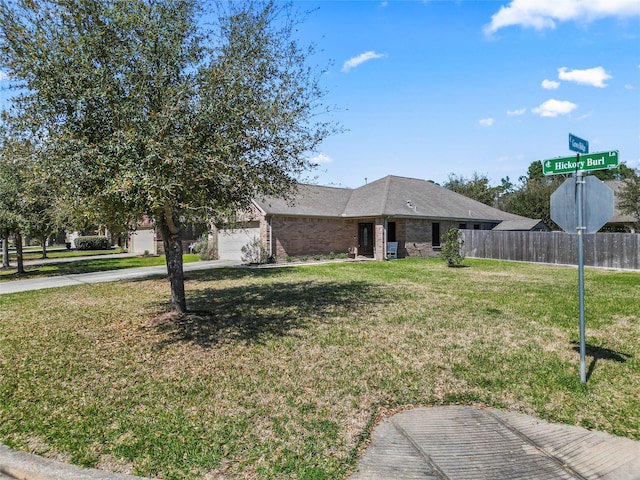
x=530 y=197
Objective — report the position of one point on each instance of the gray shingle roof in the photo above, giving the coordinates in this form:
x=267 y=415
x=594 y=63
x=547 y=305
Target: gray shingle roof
x=523 y=224
x=389 y=196
x=308 y=201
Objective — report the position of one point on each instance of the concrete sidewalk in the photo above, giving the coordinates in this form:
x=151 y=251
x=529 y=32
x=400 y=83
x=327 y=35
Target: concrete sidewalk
x=106 y=276
x=472 y=443
x=439 y=443
x=24 y=466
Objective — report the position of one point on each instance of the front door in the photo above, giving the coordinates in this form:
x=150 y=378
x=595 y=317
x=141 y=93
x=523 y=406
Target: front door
x=365 y=239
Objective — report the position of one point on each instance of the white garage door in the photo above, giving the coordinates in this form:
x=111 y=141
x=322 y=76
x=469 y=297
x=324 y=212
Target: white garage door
x=230 y=242
x=142 y=241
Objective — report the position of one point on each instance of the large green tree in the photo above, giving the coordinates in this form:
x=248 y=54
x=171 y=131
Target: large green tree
x=11 y=222
x=163 y=109
x=477 y=187
x=14 y=212
x=28 y=201
x=532 y=198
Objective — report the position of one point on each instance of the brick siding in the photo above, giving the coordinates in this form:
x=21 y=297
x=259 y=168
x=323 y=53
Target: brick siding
x=294 y=236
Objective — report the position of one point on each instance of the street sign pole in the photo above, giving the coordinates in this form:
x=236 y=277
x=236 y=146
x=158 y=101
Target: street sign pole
x=580 y=182
x=581 y=205
x=574 y=211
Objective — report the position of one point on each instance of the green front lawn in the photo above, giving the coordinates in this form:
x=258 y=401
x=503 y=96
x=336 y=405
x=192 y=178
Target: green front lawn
x=281 y=372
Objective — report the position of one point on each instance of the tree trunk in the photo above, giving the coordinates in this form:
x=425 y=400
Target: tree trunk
x=18 y=238
x=44 y=247
x=5 y=252
x=173 y=253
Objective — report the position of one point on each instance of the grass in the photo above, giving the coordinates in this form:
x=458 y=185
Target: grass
x=86 y=266
x=280 y=372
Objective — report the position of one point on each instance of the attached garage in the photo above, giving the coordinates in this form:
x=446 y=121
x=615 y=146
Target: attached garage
x=231 y=241
x=142 y=241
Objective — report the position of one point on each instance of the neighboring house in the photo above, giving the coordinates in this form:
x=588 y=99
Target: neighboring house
x=145 y=239
x=363 y=221
x=620 y=222
x=522 y=225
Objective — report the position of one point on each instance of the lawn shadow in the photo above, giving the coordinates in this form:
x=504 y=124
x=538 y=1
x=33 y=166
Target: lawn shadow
x=601 y=353
x=257 y=312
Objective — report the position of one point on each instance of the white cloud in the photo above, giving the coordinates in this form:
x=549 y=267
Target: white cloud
x=550 y=84
x=585 y=116
x=519 y=111
x=628 y=86
x=541 y=14
x=360 y=59
x=3 y=76
x=320 y=159
x=486 y=122
x=591 y=76
x=553 y=108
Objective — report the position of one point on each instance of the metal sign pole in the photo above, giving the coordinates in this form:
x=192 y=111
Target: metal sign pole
x=580 y=183
x=575 y=211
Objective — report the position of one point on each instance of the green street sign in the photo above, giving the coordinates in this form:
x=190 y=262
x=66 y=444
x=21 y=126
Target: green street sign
x=581 y=163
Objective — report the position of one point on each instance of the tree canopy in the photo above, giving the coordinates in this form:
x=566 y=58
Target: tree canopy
x=532 y=197
x=28 y=206
x=629 y=195
x=145 y=109
x=476 y=187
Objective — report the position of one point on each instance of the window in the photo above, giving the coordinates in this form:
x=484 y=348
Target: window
x=462 y=226
x=435 y=234
x=476 y=226
x=391 y=232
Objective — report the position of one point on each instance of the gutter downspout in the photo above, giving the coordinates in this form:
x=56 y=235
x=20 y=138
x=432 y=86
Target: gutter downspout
x=270 y=236
x=385 y=238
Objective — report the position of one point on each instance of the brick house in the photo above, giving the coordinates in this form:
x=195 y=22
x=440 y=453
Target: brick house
x=363 y=221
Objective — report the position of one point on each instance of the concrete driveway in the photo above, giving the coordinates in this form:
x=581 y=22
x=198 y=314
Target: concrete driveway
x=106 y=276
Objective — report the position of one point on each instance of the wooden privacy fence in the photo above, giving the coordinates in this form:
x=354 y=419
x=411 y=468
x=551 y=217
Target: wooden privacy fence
x=609 y=250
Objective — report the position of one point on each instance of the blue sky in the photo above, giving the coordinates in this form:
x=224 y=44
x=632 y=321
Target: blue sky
x=429 y=88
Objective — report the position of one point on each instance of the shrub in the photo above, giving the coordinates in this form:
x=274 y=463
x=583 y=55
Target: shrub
x=452 y=247
x=204 y=248
x=254 y=252
x=317 y=257
x=93 y=242
x=290 y=258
